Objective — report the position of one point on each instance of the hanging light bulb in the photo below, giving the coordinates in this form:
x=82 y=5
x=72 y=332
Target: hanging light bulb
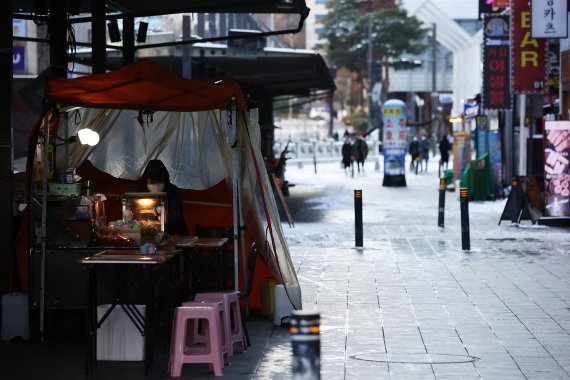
x=93 y=139
x=88 y=137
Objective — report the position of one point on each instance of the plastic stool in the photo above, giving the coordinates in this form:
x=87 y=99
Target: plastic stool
x=198 y=333
x=234 y=327
x=184 y=350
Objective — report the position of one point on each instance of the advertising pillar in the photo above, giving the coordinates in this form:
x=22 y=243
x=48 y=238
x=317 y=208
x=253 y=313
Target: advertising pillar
x=556 y=168
x=394 y=142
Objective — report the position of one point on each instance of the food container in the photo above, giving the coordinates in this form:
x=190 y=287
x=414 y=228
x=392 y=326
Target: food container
x=148 y=208
x=64 y=188
x=67 y=176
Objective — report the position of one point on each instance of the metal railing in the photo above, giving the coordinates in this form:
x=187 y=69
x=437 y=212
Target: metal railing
x=322 y=150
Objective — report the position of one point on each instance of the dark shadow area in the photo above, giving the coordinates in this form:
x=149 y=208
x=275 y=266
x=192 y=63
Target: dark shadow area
x=300 y=201
x=61 y=355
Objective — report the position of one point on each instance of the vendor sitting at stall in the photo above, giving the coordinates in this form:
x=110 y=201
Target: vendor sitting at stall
x=157 y=179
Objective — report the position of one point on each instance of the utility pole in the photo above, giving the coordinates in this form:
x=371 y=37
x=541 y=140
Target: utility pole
x=370 y=84
x=433 y=77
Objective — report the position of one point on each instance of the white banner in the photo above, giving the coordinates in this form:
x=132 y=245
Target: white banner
x=549 y=19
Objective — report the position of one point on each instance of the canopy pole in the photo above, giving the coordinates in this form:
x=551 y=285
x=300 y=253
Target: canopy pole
x=235 y=202
x=242 y=242
x=45 y=171
x=244 y=252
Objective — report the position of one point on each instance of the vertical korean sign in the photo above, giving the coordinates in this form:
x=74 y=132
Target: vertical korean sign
x=394 y=142
x=556 y=168
x=461 y=152
x=549 y=19
x=496 y=160
x=482 y=123
x=529 y=74
x=496 y=64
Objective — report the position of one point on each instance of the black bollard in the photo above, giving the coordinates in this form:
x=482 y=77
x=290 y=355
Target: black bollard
x=315 y=155
x=358 y=217
x=441 y=208
x=306 y=342
x=464 y=201
x=315 y=163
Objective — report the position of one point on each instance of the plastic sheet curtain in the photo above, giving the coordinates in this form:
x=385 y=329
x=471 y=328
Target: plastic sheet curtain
x=192 y=145
x=257 y=197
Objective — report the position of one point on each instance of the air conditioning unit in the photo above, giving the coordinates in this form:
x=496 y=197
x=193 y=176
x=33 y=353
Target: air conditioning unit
x=248 y=45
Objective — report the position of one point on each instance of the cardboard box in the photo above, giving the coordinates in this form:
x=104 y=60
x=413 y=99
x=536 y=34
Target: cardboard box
x=118 y=339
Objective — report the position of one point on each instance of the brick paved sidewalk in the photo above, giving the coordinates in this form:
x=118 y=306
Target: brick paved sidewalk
x=412 y=304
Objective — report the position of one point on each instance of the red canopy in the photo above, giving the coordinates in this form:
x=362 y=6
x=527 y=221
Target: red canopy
x=145 y=85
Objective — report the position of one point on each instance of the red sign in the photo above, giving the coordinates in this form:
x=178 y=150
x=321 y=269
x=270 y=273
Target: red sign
x=496 y=70
x=501 y=3
x=528 y=58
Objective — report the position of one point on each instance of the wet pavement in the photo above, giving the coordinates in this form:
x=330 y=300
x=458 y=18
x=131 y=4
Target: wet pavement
x=412 y=304
x=409 y=304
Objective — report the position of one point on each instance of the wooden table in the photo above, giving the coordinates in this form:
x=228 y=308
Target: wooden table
x=199 y=256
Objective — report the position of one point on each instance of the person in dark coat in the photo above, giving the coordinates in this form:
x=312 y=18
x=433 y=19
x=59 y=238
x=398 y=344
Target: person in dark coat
x=346 y=154
x=444 y=148
x=414 y=150
x=360 y=152
x=157 y=179
x=424 y=152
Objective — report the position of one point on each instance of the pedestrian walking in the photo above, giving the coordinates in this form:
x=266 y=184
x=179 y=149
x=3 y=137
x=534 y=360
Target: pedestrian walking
x=346 y=154
x=424 y=152
x=360 y=152
x=444 y=148
x=414 y=150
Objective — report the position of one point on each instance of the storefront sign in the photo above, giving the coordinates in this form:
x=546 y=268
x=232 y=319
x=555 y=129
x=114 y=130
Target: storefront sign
x=529 y=74
x=482 y=123
x=394 y=137
x=556 y=168
x=549 y=19
x=470 y=111
x=553 y=70
x=496 y=63
x=461 y=152
x=19 y=58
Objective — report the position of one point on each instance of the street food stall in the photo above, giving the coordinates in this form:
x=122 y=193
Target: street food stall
x=200 y=129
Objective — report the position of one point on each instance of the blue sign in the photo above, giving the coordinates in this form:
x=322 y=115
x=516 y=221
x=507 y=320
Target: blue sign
x=19 y=58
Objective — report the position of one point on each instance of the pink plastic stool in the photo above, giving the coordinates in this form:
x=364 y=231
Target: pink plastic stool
x=234 y=327
x=184 y=350
x=197 y=333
